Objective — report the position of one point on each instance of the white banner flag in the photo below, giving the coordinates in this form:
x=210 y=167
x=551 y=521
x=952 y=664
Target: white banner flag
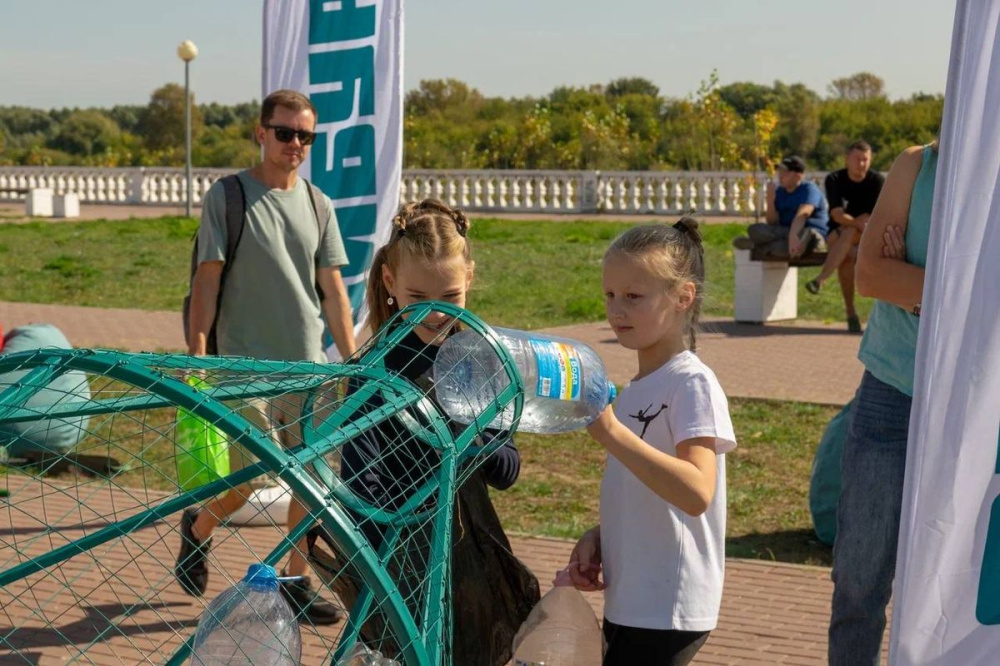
x=947 y=594
x=347 y=55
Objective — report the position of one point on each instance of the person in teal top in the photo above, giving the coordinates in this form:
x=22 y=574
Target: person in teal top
x=890 y=268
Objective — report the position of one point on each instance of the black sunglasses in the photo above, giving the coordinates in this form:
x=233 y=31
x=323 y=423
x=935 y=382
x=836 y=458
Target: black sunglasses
x=286 y=134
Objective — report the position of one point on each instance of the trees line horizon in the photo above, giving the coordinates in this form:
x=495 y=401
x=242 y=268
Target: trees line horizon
x=622 y=125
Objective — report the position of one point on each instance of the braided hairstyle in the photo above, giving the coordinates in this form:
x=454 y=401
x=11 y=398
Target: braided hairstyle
x=673 y=253
x=429 y=231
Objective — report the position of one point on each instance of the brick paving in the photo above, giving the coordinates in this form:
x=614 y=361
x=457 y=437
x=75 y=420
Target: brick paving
x=772 y=613
x=125 y=607
x=803 y=361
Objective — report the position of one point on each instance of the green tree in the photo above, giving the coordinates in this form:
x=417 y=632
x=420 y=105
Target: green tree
x=858 y=87
x=231 y=146
x=631 y=85
x=127 y=117
x=448 y=98
x=798 y=110
x=162 y=122
x=747 y=98
x=85 y=133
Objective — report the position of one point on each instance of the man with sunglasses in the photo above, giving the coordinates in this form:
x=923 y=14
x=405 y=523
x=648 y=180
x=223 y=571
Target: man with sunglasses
x=265 y=304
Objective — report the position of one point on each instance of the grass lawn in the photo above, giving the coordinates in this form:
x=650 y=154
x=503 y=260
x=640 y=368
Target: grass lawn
x=144 y=264
x=558 y=490
x=767 y=477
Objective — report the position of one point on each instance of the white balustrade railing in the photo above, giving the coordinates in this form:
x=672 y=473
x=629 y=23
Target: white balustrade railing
x=499 y=191
x=503 y=191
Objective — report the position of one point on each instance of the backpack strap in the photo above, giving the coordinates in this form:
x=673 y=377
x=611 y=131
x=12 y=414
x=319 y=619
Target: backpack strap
x=322 y=212
x=320 y=208
x=235 y=217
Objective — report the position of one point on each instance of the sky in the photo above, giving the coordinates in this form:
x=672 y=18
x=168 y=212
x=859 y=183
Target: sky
x=71 y=53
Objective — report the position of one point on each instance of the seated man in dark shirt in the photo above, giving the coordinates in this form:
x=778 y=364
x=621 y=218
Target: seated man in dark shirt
x=796 y=215
x=851 y=193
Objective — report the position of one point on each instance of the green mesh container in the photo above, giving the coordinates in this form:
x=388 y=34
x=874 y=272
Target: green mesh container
x=89 y=539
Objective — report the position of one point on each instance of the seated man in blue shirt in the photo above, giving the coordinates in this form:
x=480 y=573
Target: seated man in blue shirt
x=797 y=215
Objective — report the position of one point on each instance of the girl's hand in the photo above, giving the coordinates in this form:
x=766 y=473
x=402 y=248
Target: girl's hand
x=893 y=244
x=585 y=562
x=603 y=424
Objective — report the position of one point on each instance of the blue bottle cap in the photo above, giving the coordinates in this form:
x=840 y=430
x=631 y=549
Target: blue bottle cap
x=261 y=578
x=612 y=392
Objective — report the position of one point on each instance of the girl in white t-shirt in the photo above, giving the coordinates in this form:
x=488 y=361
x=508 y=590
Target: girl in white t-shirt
x=661 y=541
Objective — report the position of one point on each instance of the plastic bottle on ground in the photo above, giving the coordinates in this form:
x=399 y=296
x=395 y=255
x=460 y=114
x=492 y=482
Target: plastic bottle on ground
x=250 y=623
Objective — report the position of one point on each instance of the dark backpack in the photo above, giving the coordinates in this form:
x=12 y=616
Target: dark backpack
x=235 y=217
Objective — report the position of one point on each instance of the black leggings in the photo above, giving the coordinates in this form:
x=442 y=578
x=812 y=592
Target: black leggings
x=657 y=647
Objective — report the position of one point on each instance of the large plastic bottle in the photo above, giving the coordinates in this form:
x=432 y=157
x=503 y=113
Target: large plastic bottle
x=565 y=384
x=561 y=630
x=250 y=623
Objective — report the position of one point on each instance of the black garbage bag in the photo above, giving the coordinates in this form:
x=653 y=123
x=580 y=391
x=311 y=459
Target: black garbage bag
x=492 y=590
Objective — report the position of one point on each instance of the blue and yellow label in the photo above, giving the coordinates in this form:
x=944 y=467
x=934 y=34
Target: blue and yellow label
x=558 y=370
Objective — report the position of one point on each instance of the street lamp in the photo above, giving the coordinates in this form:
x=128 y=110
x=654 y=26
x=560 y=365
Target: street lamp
x=187 y=52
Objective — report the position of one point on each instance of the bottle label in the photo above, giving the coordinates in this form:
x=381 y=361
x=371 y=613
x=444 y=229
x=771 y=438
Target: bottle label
x=558 y=370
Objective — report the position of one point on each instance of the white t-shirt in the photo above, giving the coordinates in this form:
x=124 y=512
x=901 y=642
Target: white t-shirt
x=664 y=568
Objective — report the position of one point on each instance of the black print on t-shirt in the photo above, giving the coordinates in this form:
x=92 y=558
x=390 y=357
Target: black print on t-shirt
x=646 y=420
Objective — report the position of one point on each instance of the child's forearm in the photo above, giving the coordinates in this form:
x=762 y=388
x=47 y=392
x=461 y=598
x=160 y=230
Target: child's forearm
x=503 y=466
x=680 y=482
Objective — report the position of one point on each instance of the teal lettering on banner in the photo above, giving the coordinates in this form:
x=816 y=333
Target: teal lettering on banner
x=357 y=222
x=353 y=171
x=988 y=603
x=351 y=174
x=339 y=21
x=343 y=67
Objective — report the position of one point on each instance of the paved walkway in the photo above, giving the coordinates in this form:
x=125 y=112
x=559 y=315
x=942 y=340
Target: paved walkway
x=772 y=613
x=125 y=606
x=802 y=361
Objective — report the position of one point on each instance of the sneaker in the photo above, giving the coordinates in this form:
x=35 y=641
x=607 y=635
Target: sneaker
x=743 y=243
x=854 y=324
x=191 y=569
x=813 y=287
x=309 y=607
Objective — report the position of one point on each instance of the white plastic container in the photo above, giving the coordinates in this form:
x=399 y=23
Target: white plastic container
x=250 y=623
x=561 y=630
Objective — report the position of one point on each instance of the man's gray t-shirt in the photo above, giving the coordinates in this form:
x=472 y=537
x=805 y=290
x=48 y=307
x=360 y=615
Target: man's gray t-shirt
x=270 y=308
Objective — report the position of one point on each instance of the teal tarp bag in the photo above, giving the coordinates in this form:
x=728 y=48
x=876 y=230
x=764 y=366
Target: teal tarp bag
x=47 y=436
x=824 y=482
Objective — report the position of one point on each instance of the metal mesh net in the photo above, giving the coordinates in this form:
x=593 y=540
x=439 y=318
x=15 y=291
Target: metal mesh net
x=90 y=532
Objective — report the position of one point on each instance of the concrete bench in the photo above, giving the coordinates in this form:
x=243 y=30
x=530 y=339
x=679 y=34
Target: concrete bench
x=43 y=202
x=767 y=286
x=38 y=202
x=66 y=205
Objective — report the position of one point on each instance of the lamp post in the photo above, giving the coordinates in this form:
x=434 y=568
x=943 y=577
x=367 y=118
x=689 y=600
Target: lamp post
x=187 y=52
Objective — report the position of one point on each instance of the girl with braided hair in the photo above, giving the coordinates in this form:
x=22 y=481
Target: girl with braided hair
x=428 y=257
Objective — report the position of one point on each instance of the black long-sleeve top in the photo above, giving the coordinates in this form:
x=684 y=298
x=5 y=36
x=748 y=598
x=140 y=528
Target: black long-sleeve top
x=386 y=463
